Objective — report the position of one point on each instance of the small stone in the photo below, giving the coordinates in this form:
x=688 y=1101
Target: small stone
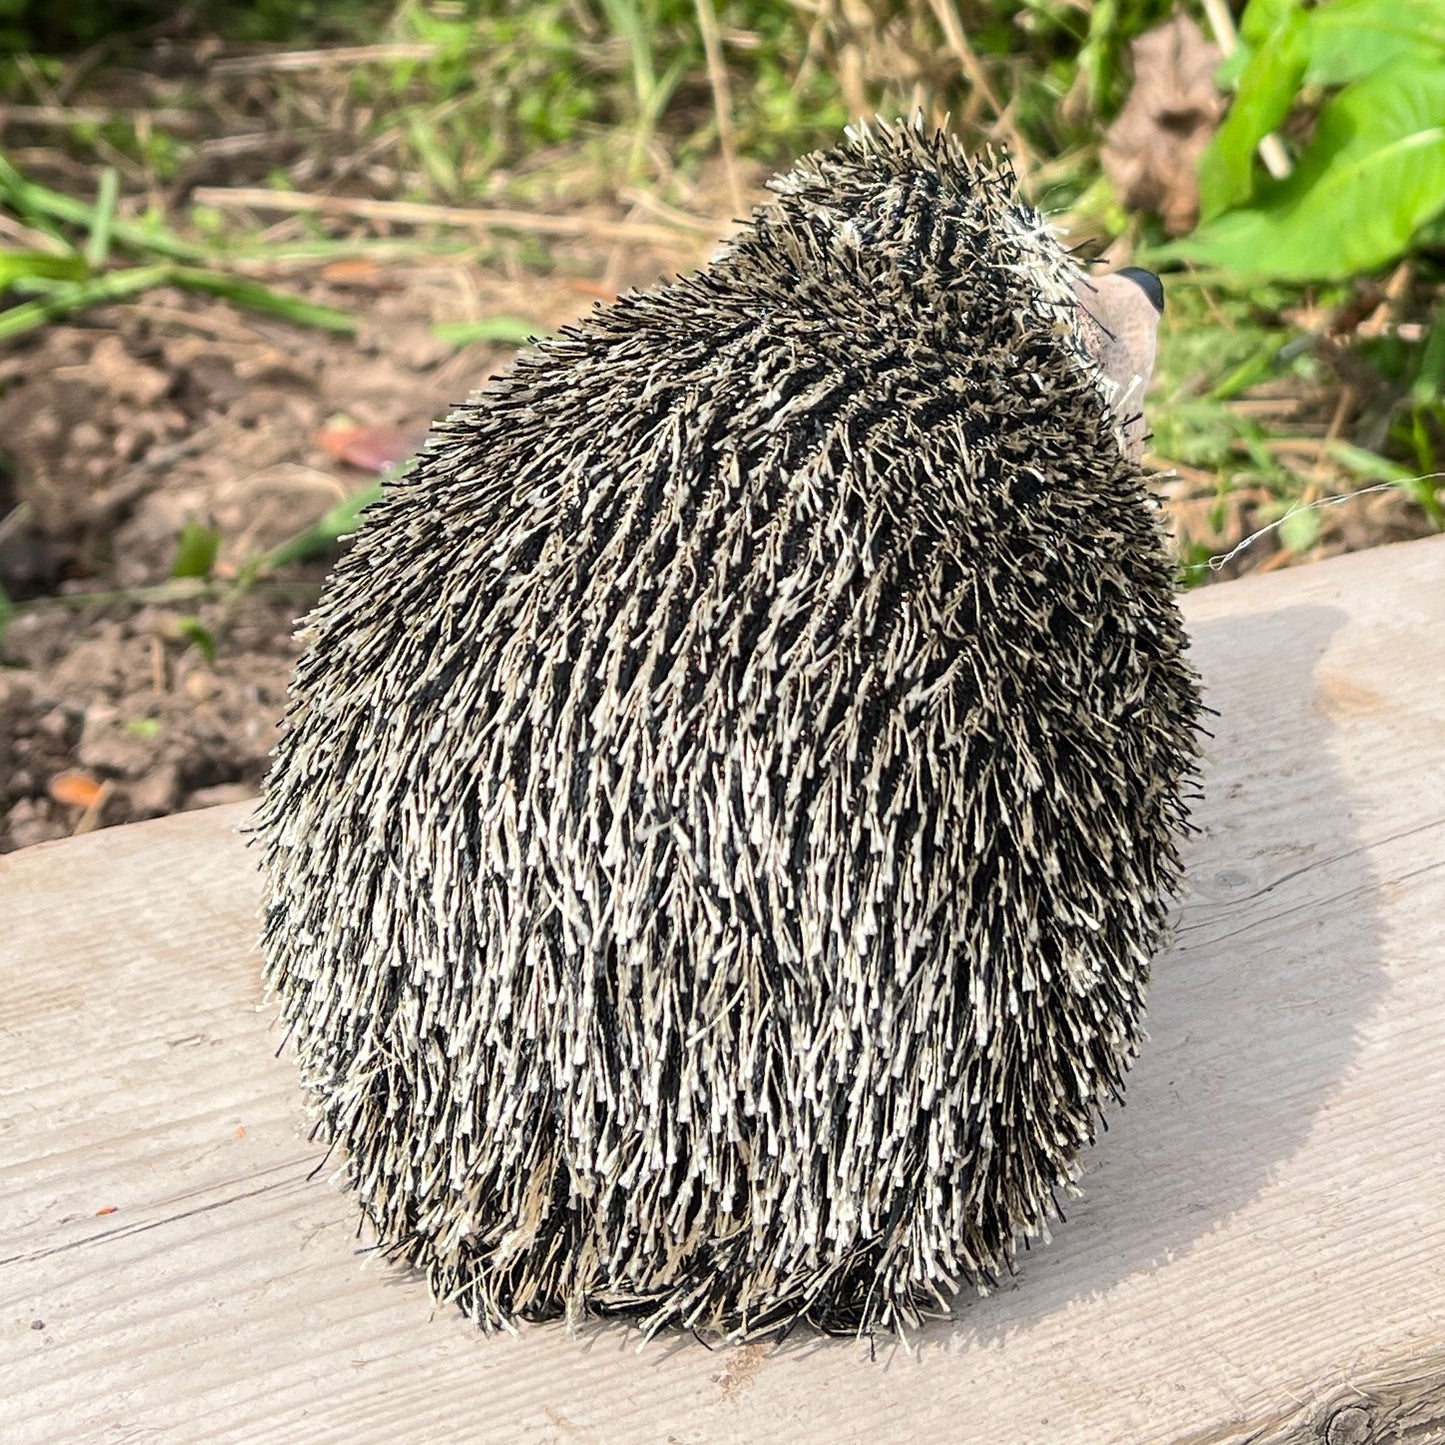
x=155 y=794
x=202 y=685
x=28 y=824
x=17 y=690
x=56 y=724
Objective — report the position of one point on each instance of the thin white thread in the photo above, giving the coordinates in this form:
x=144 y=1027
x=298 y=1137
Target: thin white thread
x=1221 y=560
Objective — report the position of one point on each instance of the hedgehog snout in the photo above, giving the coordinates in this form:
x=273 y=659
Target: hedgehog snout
x=1120 y=326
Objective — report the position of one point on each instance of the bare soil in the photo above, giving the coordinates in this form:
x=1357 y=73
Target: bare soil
x=119 y=431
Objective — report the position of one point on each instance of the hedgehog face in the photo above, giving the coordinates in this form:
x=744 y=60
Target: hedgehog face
x=1120 y=325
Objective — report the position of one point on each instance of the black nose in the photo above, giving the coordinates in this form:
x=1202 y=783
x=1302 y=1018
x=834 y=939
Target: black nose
x=1147 y=282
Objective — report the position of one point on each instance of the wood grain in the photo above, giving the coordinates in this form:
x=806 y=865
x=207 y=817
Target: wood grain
x=1259 y=1254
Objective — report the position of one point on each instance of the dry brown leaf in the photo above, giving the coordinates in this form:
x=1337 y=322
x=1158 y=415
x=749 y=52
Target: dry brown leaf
x=351 y=271
x=75 y=787
x=1151 y=152
x=369 y=448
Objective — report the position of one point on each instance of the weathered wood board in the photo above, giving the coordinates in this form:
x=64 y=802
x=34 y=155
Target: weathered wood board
x=1260 y=1252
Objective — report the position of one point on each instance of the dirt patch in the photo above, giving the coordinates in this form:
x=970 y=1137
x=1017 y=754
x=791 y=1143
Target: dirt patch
x=122 y=695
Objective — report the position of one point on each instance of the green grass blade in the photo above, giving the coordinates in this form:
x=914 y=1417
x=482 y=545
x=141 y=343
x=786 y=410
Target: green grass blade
x=115 y=286
x=1240 y=378
x=1428 y=388
x=1300 y=529
x=102 y=218
x=1368 y=466
x=339 y=522
x=1371 y=467
x=196 y=551
x=37 y=202
x=20 y=267
x=508 y=330
x=256 y=297
x=199 y=636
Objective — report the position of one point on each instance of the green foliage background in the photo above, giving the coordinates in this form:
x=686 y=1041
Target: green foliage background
x=555 y=103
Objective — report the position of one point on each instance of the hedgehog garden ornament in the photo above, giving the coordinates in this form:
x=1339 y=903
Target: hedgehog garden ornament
x=730 y=796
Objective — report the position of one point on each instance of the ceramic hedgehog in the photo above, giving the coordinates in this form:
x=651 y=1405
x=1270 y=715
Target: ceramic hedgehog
x=731 y=794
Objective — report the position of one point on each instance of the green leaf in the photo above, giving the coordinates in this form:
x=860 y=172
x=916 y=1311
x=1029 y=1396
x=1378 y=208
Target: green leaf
x=1300 y=530
x=196 y=551
x=1349 y=39
x=7 y=611
x=1228 y=71
x=1373 y=175
x=1262 y=18
x=1267 y=90
x=198 y=635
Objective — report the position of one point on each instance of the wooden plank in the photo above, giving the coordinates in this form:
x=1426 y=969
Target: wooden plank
x=1260 y=1252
